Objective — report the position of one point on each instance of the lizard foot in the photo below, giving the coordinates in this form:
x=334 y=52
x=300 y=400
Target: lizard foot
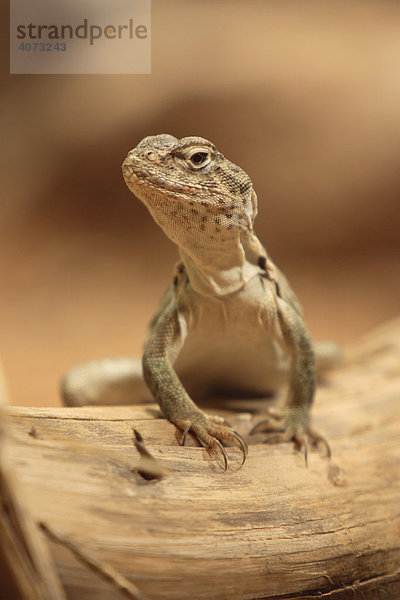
x=212 y=432
x=280 y=431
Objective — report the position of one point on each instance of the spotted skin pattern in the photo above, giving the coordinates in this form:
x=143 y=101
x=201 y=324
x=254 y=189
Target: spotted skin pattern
x=225 y=284
x=229 y=322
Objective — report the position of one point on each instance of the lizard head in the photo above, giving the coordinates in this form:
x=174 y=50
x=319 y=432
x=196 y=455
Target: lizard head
x=192 y=191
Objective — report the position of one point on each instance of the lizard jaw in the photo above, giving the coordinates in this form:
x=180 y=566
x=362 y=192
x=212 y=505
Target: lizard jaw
x=135 y=175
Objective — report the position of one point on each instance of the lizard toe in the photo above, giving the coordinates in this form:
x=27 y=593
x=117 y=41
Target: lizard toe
x=278 y=432
x=302 y=439
x=317 y=439
x=271 y=424
x=212 y=434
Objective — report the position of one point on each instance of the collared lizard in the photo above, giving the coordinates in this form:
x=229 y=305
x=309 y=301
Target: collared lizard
x=229 y=322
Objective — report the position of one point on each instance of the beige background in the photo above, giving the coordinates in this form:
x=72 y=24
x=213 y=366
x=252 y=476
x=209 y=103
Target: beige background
x=304 y=96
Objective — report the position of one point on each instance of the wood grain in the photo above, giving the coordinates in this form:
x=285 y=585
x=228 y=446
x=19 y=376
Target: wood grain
x=273 y=529
x=27 y=571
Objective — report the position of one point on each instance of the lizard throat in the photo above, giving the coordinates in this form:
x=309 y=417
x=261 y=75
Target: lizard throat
x=214 y=275
x=214 y=256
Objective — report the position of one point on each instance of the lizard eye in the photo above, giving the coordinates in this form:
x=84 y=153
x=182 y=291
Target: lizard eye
x=199 y=159
x=151 y=155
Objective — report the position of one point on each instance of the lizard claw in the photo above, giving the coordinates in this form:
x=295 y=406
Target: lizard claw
x=184 y=434
x=217 y=444
x=279 y=432
x=243 y=445
x=211 y=433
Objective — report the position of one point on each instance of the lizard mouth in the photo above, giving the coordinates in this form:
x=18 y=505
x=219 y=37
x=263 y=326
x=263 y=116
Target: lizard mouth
x=132 y=175
x=135 y=175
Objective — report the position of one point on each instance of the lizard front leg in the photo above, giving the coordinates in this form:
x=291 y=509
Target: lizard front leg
x=294 y=422
x=166 y=338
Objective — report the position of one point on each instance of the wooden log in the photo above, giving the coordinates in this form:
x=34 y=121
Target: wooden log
x=272 y=529
x=27 y=570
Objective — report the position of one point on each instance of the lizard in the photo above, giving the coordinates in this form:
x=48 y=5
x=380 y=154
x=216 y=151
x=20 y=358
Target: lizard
x=229 y=322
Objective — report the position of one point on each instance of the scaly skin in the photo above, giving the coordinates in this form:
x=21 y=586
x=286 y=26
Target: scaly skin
x=225 y=287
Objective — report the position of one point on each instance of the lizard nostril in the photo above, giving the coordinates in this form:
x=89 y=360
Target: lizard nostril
x=151 y=155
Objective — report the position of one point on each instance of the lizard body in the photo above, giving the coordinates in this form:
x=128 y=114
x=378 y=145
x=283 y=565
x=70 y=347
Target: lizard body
x=229 y=322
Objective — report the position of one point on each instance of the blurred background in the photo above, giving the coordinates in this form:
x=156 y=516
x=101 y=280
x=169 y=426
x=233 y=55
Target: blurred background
x=304 y=96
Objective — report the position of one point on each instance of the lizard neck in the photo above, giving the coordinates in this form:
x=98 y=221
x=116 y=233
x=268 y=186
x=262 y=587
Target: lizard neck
x=224 y=270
